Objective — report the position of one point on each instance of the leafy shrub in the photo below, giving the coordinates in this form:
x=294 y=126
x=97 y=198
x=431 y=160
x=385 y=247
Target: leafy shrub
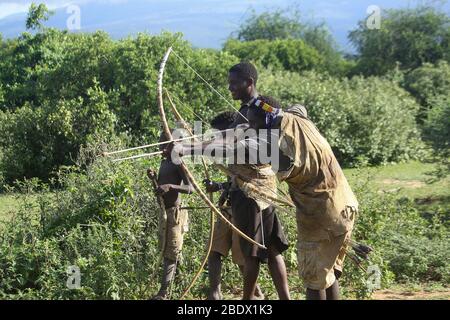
x=37 y=141
x=411 y=37
x=296 y=32
x=407 y=246
x=437 y=125
x=97 y=222
x=428 y=81
x=365 y=120
x=104 y=220
x=58 y=88
x=287 y=54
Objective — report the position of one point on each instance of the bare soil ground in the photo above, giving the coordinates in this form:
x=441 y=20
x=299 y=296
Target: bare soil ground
x=411 y=295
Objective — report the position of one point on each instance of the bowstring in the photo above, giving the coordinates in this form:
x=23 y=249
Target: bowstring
x=231 y=105
x=186 y=107
x=208 y=84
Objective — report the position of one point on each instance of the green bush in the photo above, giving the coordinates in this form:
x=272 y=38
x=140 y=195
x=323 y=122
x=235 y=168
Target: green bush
x=418 y=259
x=407 y=247
x=103 y=219
x=36 y=142
x=59 y=88
x=428 y=82
x=365 y=120
x=437 y=124
x=287 y=54
x=295 y=32
x=410 y=37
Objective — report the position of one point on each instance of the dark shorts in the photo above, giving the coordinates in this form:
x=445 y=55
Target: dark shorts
x=247 y=217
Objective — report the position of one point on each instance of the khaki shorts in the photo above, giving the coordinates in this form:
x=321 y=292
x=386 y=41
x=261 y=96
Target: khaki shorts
x=171 y=232
x=320 y=253
x=318 y=260
x=225 y=239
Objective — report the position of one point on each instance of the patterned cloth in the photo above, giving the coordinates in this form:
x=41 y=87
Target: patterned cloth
x=171 y=232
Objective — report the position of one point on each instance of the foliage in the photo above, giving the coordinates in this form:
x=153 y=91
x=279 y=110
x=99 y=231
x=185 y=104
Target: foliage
x=410 y=36
x=427 y=82
x=278 y=24
x=59 y=88
x=359 y=117
x=91 y=223
x=437 y=124
x=103 y=219
x=84 y=88
x=285 y=54
x=36 y=15
x=286 y=25
x=407 y=246
x=36 y=142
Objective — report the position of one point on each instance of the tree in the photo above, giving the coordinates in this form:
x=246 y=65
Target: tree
x=428 y=81
x=437 y=124
x=36 y=15
x=287 y=25
x=270 y=26
x=411 y=37
x=281 y=54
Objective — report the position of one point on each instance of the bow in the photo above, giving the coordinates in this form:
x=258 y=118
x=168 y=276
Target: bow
x=184 y=168
x=211 y=197
x=152 y=175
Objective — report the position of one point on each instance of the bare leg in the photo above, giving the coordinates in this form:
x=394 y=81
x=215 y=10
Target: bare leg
x=333 y=291
x=278 y=272
x=251 y=271
x=258 y=292
x=167 y=276
x=214 y=271
x=315 y=294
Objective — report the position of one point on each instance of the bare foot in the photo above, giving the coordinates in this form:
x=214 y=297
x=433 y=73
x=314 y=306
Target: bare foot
x=160 y=296
x=215 y=295
x=258 y=295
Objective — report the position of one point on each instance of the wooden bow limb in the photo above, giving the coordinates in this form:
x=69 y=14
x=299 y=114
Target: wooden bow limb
x=152 y=175
x=185 y=125
x=221 y=167
x=187 y=128
x=185 y=169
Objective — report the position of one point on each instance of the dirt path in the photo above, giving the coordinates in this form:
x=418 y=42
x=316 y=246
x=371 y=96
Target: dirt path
x=411 y=295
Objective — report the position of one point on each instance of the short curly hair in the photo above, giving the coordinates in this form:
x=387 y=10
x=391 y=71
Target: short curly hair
x=245 y=70
x=223 y=120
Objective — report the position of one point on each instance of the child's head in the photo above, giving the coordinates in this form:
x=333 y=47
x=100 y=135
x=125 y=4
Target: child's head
x=242 y=79
x=223 y=120
x=163 y=138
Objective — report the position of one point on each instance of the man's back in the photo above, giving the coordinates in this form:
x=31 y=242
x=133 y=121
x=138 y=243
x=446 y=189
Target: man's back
x=317 y=183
